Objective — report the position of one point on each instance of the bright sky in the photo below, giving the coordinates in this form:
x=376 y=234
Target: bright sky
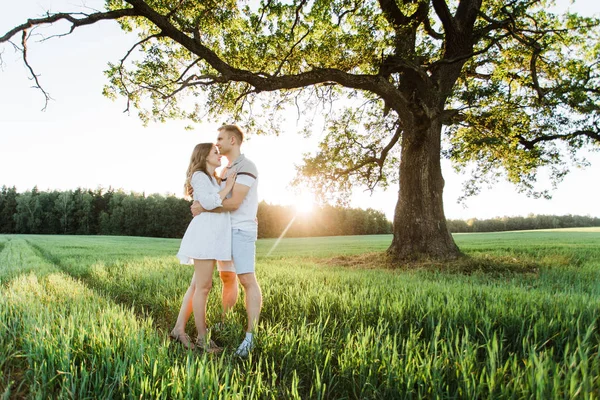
x=85 y=140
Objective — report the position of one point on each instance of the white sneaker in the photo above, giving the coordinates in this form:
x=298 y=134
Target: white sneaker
x=244 y=348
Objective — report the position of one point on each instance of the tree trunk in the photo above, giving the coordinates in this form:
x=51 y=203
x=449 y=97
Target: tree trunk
x=420 y=229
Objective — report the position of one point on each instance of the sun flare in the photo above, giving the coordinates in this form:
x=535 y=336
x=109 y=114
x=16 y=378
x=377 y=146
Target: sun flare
x=304 y=203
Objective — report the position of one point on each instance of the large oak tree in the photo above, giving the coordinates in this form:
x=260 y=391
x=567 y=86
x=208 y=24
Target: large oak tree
x=502 y=87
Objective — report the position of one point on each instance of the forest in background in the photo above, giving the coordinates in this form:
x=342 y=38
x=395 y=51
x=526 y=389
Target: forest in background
x=115 y=212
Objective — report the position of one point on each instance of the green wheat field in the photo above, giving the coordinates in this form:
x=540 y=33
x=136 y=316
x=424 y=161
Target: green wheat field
x=87 y=317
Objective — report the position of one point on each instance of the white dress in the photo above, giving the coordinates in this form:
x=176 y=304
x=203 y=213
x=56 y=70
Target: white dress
x=208 y=236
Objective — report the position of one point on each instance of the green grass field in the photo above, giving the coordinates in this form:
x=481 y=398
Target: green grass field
x=88 y=317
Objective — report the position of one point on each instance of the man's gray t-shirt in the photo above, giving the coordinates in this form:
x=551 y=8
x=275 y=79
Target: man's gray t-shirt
x=244 y=217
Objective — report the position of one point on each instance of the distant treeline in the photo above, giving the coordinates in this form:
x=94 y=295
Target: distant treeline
x=522 y=223
x=322 y=221
x=115 y=212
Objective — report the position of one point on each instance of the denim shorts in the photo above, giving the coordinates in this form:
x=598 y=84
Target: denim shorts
x=243 y=252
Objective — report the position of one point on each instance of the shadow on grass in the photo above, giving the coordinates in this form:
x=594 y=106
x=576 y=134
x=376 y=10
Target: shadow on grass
x=465 y=265
x=161 y=318
x=143 y=298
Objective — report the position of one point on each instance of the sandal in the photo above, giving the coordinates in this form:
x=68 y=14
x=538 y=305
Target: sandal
x=209 y=347
x=182 y=338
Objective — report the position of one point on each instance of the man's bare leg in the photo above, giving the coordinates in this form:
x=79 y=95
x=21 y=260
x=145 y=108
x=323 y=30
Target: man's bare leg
x=253 y=298
x=230 y=290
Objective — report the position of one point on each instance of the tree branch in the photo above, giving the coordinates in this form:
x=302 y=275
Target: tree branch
x=290 y=52
x=442 y=11
x=392 y=13
x=50 y=19
x=379 y=161
x=123 y=61
x=492 y=25
x=430 y=31
x=468 y=55
x=203 y=80
x=343 y=14
x=297 y=18
x=262 y=14
x=530 y=144
x=405 y=27
x=466 y=14
x=76 y=22
x=534 y=74
x=390 y=145
x=33 y=74
x=374 y=83
x=187 y=69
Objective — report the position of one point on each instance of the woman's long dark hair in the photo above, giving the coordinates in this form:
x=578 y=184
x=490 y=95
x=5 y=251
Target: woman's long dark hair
x=197 y=163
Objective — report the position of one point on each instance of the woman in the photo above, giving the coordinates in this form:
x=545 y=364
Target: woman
x=207 y=239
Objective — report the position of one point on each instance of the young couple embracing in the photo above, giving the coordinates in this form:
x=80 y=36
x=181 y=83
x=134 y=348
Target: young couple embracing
x=223 y=231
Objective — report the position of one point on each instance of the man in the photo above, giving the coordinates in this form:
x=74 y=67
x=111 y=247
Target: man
x=243 y=205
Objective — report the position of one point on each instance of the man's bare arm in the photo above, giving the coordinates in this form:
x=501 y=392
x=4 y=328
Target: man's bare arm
x=237 y=197
x=238 y=194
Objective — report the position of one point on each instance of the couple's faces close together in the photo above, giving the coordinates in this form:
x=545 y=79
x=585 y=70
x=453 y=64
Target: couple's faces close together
x=221 y=147
x=224 y=142
x=214 y=157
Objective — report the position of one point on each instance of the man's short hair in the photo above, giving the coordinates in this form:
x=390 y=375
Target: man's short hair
x=233 y=130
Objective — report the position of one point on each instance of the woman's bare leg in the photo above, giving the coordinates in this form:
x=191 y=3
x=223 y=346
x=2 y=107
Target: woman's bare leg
x=203 y=274
x=186 y=309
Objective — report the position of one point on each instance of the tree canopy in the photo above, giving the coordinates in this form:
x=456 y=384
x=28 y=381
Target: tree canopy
x=501 y=87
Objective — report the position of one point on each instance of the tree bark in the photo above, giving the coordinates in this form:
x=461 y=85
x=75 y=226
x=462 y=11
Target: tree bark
x=420 y=229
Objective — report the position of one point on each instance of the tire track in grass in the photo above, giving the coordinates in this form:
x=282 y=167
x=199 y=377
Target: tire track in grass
x=153 y=286
x=60 y=338
x=100 y=288
x=160 y=318
x=37 y=303
x=17 y=258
